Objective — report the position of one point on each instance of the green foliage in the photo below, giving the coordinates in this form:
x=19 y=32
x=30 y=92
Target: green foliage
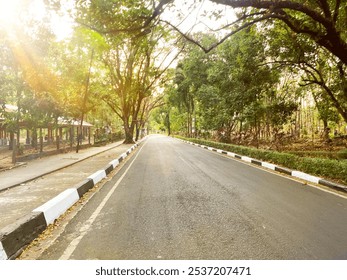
x=117 y=18
x=320 y=72
x=342 y=154
x=230 y=86
x=39 y=111
x=316 y=154
x=322 y=22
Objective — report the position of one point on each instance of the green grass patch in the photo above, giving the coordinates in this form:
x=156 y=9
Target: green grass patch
x=321 y=167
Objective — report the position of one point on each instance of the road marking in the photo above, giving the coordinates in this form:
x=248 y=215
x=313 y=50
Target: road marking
x=86 y=227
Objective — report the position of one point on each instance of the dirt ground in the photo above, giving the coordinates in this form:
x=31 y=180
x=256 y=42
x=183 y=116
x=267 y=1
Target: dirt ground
x=317 y=145
x=5 y=158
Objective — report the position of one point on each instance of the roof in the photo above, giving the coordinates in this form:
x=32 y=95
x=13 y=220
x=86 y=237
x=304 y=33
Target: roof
x=61 y=120
x=72 y=122
x=10 y=108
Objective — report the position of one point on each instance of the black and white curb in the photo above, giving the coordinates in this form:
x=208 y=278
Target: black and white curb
x=293 y=173
x=15 y=237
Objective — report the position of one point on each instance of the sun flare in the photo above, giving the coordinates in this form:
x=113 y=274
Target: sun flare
x=9 y=12
x=13 y=13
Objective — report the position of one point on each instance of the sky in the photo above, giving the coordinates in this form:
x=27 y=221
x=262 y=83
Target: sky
x=11 y=14
x=185 y=16
x=200 y=16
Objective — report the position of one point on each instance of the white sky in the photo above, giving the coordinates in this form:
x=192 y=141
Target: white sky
x=195 y=15
x=11 y=15
x=187 y=15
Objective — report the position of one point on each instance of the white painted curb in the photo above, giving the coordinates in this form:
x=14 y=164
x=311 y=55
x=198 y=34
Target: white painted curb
x=3 y=255
x=114 y=163
x=98 y=176
x=268 y=165
x=53 y=208
x=124 y=155
x=247 y=159
x=231 y=154
x=306 y=176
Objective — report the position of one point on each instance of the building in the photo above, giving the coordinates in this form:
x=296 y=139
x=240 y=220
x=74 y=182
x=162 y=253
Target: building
x=63 y=130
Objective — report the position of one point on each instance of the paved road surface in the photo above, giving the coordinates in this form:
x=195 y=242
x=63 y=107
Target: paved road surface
x=172 y=200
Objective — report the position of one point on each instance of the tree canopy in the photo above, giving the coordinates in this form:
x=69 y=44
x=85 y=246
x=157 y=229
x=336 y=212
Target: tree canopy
x=323 y=21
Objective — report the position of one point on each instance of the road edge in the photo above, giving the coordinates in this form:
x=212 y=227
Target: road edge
x=293 y=173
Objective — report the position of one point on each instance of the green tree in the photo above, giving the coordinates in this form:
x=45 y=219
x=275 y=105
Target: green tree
x=24 y=50
x=134 y=59
x=316 y=66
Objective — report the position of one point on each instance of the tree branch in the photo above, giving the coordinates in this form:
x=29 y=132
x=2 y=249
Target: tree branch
x=325 y=7
x=143 y=29
x=213 y=46
x=336 y=10
x=275 y=5
x=327 y=35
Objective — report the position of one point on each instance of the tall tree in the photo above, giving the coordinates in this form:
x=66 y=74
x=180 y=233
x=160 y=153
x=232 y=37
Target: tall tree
x=315 y=65
x=136 y=59
x=134 y=73
x=24 y=50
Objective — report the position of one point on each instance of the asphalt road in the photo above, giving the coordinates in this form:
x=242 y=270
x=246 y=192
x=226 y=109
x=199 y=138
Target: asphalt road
x=172 y=200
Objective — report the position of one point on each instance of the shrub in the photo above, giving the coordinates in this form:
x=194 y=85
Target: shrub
x=342 y=154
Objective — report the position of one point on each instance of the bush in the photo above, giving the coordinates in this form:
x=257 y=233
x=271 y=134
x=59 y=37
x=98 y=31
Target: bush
x=315 y=154
x=342 y=154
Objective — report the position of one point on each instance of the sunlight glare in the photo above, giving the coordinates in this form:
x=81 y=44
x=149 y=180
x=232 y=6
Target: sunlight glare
x=9 y=12
x=13 y=13
x=62 y=27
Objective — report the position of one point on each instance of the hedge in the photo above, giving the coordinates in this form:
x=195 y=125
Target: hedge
x=342 y=154
x=321 y=167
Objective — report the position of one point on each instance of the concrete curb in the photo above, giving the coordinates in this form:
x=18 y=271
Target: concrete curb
x=15 y=237
x=293 y=173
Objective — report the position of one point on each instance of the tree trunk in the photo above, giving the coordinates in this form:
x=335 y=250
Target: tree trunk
x=11 y=141
x=326 y=131
x=41 y=141
x=129 y=133
x=128 y=137
x=137 y=132
x=34 y=138
x=168 y=124
x=85 y=99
